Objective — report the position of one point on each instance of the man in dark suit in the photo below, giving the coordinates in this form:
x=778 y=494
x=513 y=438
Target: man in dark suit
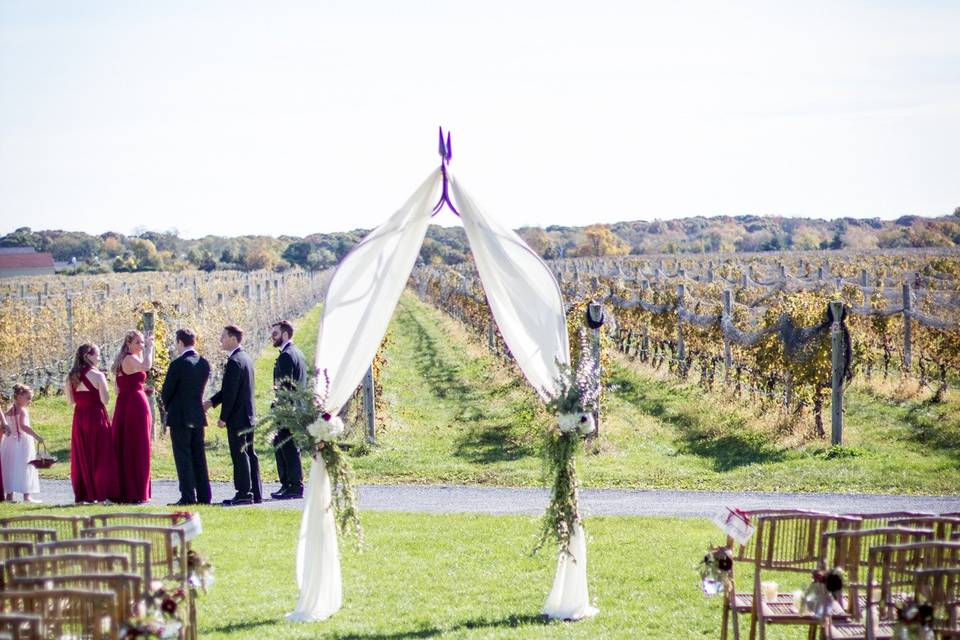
x=235 y=400
x=182 y=396
x=289 y=371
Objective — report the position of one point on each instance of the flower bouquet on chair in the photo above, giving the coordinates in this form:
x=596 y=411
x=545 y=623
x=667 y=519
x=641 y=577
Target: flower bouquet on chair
x=314 y=429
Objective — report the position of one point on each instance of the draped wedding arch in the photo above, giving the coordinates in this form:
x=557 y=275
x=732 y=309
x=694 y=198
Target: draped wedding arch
x=526 y=304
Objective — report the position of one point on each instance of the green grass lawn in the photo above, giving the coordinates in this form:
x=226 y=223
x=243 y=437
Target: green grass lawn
x=456 y=414
x=454 y=576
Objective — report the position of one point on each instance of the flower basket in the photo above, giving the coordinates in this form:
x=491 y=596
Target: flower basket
x=44 y=459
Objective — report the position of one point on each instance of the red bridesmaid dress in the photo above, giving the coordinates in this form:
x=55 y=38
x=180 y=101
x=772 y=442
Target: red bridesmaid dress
x=131 y=433
x=93 y=459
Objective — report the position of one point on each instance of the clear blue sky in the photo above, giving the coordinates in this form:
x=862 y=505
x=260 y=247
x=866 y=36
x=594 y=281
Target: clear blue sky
x=278 y=117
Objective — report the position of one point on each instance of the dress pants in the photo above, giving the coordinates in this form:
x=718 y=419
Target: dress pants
x=288 y=460
x=246 y=464
x=191 y=460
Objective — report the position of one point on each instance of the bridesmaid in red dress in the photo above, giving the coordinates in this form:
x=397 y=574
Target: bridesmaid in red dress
x=131 y=417
x=93 y=460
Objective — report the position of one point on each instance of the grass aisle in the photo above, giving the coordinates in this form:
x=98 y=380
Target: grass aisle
x=458 y=415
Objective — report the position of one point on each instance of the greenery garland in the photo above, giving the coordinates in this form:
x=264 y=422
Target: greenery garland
x=296 y=410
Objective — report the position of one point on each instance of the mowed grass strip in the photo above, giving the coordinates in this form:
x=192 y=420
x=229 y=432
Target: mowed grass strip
x=453 y=576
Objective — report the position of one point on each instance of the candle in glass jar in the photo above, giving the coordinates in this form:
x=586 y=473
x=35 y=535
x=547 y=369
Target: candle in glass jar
x=769 y=590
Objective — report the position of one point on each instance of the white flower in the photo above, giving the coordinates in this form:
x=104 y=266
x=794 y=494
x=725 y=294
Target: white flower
x=327 y=427
x=582 y=422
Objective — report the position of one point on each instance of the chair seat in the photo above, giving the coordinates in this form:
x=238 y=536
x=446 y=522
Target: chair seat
x=787 y=612
x=855 y=630
x=744 y=601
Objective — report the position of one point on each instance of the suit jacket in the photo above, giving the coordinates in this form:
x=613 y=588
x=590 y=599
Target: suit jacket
x=182 y=392
x=235 y=397
x=290 y=369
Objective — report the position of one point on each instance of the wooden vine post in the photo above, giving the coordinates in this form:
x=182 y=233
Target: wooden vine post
x=69 y=303
x=907 y=330
x=836 y=383
x=149 y=323
x=595 y=320
x=727 y=316
x=370 y=407
x=681 y=347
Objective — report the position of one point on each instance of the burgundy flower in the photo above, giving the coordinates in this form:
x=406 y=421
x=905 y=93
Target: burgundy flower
x=818 y=576
x=327 y=416
x=834 y=582
x=169 y=606
x=724 y=561
x=925 y=614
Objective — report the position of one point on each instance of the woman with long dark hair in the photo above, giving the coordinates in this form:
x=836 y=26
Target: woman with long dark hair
x=93 y=460
x=131 y=417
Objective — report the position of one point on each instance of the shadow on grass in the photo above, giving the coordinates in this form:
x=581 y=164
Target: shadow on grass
x=244 y=626
x=727 y=447
x=481 y=623
x=478 y=441
x=934 y=425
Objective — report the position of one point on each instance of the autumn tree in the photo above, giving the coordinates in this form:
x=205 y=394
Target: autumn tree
x=600 y=241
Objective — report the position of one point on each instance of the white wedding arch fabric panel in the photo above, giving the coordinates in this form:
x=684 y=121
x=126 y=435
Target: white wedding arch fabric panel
x=527 y=305
x=360 y=300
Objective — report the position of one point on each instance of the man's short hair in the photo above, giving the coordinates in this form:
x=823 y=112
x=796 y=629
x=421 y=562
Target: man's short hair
x=186 y=337
x=284 y=326
x=235 y=331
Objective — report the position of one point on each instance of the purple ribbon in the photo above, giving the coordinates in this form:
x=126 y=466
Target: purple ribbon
x=446 y=152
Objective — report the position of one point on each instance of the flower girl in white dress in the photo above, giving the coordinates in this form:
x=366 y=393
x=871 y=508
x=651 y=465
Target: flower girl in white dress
x=18 y=447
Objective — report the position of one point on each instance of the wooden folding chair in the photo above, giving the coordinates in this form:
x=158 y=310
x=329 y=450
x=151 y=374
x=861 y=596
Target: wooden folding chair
x=24 y=534
x=741 y=602
x=65 y=564
x=21 y=626
x=145 y=518
x=66 y=526
x=891 y=573
x=128 y=587
x=940 y=588
x=168 y=558
x=849 y=550
x=68 y=613
x=789 y=544
x=138 y=552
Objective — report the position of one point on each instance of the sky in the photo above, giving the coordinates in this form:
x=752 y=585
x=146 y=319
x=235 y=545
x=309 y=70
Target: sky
x=283 y=117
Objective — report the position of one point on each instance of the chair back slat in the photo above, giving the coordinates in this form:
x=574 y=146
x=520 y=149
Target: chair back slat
x=940 y=588
x=882 y=519
x=66 y=526
x=944 y=526
x=15 y=549
x=137 y=551
x=21 y=626
x=792 y=542
x=68 y=613
x=28 y=534
x=168 y=553
x=65 y=564
x=128 y=587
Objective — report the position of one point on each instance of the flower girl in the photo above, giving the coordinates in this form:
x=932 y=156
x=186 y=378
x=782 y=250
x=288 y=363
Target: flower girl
x=18 y=447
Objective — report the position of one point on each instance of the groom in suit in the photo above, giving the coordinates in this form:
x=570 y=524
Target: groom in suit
x=235 y=400
x=182 y=395
x=289 y=371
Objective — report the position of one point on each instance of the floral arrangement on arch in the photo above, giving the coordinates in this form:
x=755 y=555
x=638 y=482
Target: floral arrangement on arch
x=574 y=399
x=315 y=429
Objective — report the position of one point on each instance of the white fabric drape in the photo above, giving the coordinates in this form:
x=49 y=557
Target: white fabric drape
x=318 y=558
x=527 y=305
x=360 y=300
x=569 y=598
x=524 y=296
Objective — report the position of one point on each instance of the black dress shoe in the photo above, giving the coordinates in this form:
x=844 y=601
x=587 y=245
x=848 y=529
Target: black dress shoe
x=237 y=501
x=291 y=494
x=180 y=503
x=276 y=494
